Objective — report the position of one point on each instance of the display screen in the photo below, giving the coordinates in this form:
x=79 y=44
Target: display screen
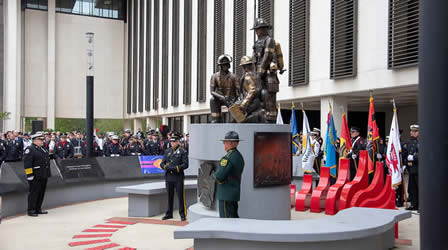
x=272 y=159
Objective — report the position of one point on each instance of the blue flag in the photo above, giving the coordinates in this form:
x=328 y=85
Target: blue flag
x=330 y=145
x=295 y=133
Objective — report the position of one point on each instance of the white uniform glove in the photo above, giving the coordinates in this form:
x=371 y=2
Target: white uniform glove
x=379 y=156
x=410 y=158
x=354 y=156
x=30 y=178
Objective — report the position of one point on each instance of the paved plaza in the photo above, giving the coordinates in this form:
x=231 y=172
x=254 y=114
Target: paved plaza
x=104 y=224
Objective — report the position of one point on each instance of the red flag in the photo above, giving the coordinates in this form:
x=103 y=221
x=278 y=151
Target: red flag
x=346 y=142
x=372 y=137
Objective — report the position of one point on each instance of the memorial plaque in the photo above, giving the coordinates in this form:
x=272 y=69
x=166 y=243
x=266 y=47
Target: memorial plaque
x=272 y=159
x=206 y=183
x=75 y=170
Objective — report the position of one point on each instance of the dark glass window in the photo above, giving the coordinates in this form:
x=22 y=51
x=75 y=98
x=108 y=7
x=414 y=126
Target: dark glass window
x=37 y=4
x=99 y=8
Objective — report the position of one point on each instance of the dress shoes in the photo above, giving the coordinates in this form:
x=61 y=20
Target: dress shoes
x=42 y=212
x=167 y=217
x=183 y=218
x=412 y=208
x=32 y=213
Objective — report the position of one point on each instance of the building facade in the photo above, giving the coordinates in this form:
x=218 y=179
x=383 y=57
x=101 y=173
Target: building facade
x=154 y=59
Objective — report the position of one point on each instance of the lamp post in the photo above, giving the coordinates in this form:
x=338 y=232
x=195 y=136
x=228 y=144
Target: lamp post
x=89 y=94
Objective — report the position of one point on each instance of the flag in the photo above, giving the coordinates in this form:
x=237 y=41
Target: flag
x=150 y=164
x=307 y=149
x=393 y=159
x=279 y=116
x=330 y=145
x=345 y=140
x=372 y=137
x=295 y=133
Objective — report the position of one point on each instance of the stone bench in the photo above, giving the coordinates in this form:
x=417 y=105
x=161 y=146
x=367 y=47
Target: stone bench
x=353 y=228
x=150 y=199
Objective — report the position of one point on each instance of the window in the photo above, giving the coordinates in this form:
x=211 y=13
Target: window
x=37 y=4
x=298 y=42
x=202 y=53
x=135 y=57
x=175 y=56
x=114 y=9
x=343 y=39
x=239 y=34
x=187 y=52
x=218 y=31
x=148 y=57
x=141 y=55
x=403 y=33
x=129 y=82
x=176 y=124
x=165 y=37
x=266 y=11
x=155 y=79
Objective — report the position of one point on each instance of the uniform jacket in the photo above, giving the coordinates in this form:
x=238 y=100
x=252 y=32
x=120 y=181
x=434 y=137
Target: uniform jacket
x=151 y=147
x=14 y=150
x=36 y=162
x=174 y=162
x=113 y=149
x=134 y=148
x=358 y=144
x=2 y=150
x=228 y=176
x=63 y=150
x=226 y=85
x=411 y=148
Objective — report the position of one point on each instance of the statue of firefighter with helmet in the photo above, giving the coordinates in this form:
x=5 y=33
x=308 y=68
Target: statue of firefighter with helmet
x=224 y=87
x=268 y=59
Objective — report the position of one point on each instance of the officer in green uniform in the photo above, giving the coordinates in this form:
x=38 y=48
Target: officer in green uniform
x=228 y=177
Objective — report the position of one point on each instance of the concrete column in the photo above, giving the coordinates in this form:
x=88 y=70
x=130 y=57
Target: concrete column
x=13 y=74
x=339 y=105
x=165 y=120
x=127 y=124
x=137 y=124
x=186 y=123
x=51 y=90
x=151 y=122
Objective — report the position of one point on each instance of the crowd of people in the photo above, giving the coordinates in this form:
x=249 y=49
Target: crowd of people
x=73 y=144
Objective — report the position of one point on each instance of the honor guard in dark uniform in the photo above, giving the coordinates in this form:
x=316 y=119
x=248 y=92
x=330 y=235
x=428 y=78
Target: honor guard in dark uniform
x=268 y=59
x=251 y=103
x=151 y=144
x=410 y=158
x=14 y=148
x=79 y=146
x=228 y=177
x=224 y=88
x=358 y=144
x=36 y=162
x=63 y=149
x=174 y=162
x=114 y=148
x=125 y=139
x=133 y=148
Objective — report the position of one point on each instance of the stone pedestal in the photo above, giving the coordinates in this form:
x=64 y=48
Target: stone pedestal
x=267 y=203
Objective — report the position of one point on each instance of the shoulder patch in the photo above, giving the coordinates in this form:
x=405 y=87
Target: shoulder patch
x=27 y=151
x=223 y=162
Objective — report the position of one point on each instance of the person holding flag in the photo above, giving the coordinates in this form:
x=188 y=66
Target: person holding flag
x=372 y=139
x=295 y=133
x=330 y=146
x=358 y=144
x=307 y=146
x=345 y=145
x=393 y=159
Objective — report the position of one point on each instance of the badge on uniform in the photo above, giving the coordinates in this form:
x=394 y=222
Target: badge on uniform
x=27 y=151
x=223 y=162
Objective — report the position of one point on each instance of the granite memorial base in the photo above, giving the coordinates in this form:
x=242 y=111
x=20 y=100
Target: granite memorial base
x=268 y=202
